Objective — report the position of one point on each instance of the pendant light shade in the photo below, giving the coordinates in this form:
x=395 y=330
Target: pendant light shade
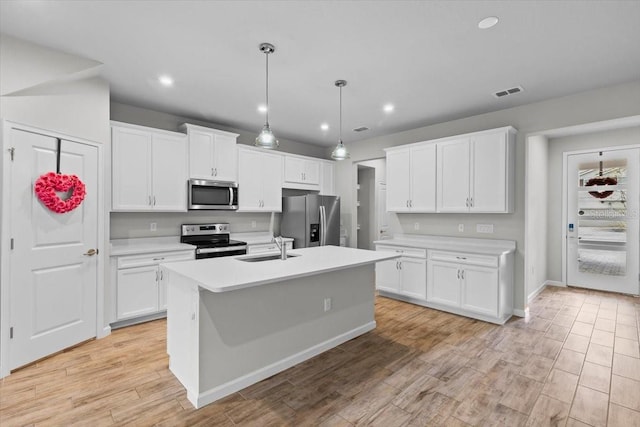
x=266 y=138
x=340 y=152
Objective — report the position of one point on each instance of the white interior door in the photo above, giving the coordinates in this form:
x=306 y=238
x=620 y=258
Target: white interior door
x=382 y=214
x=602 y=220
x=52 y=281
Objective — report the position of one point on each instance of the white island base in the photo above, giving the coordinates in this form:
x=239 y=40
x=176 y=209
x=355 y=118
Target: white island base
x=228 y=333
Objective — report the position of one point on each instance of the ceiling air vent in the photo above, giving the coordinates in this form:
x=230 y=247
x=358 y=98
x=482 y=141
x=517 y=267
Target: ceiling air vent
x=506 y=92
x=360 y=129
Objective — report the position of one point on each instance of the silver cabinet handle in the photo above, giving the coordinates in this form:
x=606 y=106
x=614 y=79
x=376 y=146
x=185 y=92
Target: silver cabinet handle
x=462 y=274
x=407 y=203
x=471 y=202
x=458 y=273
x=149 y=200
x=211 y=171
x=461 y=257
x=154 y=200
x=161 y=275
x=400 y=263
x=397 y=265
x=158 y=259
x=467 y=202
x=410 y=203
x=215 y=172
x=156 y=275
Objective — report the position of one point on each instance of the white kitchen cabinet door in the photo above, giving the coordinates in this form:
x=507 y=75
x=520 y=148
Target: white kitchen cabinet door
x=137 y=292
x=162 y=291
x=398 y=181
x=169 y=177
x=413 y=274
x=201 y=152
x=489 y=173
x=423 y=179
x=225 y=157
x=443 y=284
x=312 y=172
x=260 y=181
x=271 y=177
x=388 y=275
x=480 y=290
x=327 y=181
x=453 y=175
x=131 y=169
x=294 y=169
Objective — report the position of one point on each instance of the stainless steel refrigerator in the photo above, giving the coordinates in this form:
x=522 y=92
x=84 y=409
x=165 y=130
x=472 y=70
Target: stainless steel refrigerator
x=311 y=220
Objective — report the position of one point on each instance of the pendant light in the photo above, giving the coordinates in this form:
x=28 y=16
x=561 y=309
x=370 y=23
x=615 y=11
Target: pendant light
x=267 y=139
x=340 y=152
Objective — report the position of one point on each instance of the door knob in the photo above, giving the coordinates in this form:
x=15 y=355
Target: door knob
x=91 y=252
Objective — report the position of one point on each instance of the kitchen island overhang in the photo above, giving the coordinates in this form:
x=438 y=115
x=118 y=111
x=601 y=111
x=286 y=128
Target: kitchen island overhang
x=232 y=323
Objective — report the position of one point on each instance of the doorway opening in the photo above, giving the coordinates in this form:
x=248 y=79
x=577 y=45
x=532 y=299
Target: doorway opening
x=370 y=203
x=601 y=205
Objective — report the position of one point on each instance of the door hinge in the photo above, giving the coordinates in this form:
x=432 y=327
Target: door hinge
x=12 y=243
x=11 y=333
x=11 y=151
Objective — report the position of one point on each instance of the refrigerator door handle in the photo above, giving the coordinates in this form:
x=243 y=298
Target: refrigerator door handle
x=323 y=227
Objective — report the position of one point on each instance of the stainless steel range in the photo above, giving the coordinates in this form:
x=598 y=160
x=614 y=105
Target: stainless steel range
x=211 y=240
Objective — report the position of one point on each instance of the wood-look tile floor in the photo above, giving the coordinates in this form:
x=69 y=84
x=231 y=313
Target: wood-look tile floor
x=574 y=361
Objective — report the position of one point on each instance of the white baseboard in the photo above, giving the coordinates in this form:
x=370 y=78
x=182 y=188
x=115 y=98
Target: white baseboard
x=555 y=283
x=226 y=389
x=106 y=331
x=519 y=313
x=535 y=293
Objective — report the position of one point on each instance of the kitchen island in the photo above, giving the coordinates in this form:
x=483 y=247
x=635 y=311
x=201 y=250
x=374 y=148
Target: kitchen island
x=232 y=323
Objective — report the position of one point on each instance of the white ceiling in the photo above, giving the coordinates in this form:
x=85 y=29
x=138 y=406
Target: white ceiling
x=426 y=57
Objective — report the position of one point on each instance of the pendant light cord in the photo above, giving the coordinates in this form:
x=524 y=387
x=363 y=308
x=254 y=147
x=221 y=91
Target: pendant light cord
x=340 y=115
x=267 y=88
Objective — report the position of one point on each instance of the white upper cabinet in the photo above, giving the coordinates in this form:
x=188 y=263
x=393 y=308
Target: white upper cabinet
x=301 y=172
x=149 y=169
x=411 y=179
x=212 y=153
x=327 y=178
x=259 y=180
x=475 y=172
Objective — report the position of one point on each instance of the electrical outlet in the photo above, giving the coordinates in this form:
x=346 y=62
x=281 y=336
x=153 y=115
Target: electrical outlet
x=253 y=224
x=327 y=304
x=153 y=226
x=484 y=228
x=460 y=228
x=416 y=226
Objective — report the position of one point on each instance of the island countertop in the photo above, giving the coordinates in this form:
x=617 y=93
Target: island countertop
x=231 y=273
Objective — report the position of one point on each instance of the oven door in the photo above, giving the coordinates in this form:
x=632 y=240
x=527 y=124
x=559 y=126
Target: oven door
x=212 y=195
x=202 y=253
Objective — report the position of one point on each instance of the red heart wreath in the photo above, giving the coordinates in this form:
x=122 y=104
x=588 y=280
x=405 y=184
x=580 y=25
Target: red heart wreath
x=47 y=185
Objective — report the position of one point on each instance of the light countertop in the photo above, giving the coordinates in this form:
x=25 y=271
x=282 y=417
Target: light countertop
x=229 y=273
x=459 y=244
x=145 y=245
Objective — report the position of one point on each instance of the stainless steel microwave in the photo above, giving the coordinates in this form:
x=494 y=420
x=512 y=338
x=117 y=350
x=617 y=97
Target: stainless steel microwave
x=212 y=195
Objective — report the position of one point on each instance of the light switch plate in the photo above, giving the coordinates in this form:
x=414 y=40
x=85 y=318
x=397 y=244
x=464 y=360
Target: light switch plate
x=484 y=228
x=460 y=228
x=153 y=226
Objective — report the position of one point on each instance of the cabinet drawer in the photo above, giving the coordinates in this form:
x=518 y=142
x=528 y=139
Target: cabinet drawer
x=407 y=252
x=464 y=258
x=155 y=258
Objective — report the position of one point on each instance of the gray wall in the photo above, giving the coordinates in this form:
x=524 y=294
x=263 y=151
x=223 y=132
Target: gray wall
x=591 y=106
x=557 y=147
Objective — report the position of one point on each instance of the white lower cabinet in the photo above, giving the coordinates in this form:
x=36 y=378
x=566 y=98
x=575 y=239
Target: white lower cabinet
x=139 y=289
x=405 y=275
x=478 y=285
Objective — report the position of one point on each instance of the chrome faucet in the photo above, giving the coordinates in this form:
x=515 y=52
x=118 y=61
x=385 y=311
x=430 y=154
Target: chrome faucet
x=282 y=246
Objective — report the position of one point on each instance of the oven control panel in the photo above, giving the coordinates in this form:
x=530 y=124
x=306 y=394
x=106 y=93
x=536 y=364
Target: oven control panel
x=197 y=229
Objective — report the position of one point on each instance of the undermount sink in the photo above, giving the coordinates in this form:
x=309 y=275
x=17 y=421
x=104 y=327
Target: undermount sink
x=259 y=258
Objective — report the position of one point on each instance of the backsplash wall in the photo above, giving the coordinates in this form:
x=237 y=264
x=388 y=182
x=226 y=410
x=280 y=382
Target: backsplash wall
x=126 y=225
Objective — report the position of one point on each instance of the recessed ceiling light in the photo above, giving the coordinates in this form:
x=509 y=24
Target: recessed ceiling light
x=262 y=108
x=324 y=126
x=165 y=80
x=388 y=108
x=488 y=22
